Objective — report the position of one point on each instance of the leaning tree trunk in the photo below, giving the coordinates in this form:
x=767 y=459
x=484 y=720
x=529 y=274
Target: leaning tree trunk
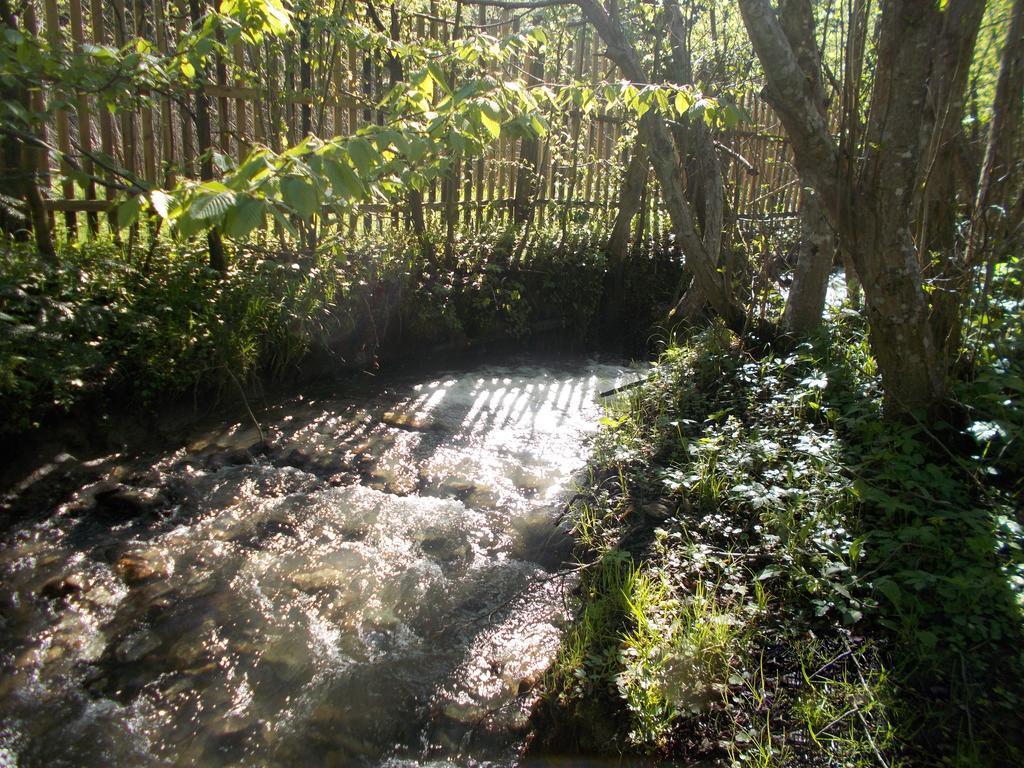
x=872 y=212
x=705 y=186
x=668 y=168
x=617 y=249
x=806 y=301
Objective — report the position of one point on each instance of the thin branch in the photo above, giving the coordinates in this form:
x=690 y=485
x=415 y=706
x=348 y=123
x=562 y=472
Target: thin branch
x=747 y=165
x=521 y=4
x=73 y=164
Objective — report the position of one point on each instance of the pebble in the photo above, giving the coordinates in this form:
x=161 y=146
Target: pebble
x=62 y=586
x=141 y=566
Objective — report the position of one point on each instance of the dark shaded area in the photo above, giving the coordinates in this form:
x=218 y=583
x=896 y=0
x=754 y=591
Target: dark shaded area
x=910 y=570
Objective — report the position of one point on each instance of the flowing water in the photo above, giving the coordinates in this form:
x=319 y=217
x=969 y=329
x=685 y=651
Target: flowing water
x=367 y=583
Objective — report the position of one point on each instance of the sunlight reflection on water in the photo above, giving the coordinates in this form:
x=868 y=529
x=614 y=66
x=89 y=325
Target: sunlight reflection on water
x=371 y=587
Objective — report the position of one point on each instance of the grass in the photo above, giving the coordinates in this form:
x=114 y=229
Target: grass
x=778 y=576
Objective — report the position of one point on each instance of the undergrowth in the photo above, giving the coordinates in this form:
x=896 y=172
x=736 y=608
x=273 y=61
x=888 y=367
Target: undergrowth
x=160 y=324
x=776 y=575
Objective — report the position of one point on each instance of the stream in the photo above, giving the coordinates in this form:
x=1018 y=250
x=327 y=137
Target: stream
x=372 y=581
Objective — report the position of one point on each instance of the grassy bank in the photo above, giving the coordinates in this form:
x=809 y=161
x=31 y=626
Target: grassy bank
x=774 y=575
x=160 y=324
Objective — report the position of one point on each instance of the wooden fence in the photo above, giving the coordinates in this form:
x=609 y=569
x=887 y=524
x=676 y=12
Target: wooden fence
x=274 y=93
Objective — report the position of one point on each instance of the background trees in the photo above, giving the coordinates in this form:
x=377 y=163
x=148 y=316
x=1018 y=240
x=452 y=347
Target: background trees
x=883 y=108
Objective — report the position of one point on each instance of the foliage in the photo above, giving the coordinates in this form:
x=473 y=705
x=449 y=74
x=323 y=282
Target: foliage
x=122 y=77
x=828 y=587
x=428 y=122
x=171 y=324
x=430 y=125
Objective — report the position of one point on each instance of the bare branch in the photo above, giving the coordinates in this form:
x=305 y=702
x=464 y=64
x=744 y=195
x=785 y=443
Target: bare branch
x=521 y=4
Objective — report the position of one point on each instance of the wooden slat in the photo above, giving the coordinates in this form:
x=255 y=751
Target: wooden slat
x=128 y=143
x=188 y=150
x=93 y=206
x=223 y=124
x=146 y=114
x=38 y=104
x=67 y=187
x=166 y=116
x=243 y=145
x=84 y=111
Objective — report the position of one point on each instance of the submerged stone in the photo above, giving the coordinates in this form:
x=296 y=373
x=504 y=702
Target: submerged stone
x=63 y=586
x=137 y=645
x=144 y=565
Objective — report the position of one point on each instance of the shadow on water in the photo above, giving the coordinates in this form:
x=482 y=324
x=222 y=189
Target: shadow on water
x=367 y=581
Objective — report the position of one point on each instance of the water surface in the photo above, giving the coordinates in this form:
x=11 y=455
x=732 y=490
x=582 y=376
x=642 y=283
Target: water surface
x=371 y=583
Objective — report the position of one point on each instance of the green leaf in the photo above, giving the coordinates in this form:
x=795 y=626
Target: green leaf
x=343 y=179
x=128 y=211
x=682 y=102
x=891 y=590
x=299 y=194
x=415 y=149
x=855 y=548
x=490 y=124
x=661 y=98
x=254 y=168
x=439 y=77
x=363 y=155
x=161 y=202
x=244 y=217
x=207 y=206
x=186 y=226
x=278 y=20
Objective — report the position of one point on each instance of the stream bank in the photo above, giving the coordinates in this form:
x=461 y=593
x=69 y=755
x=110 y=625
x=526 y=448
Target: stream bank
x=776 y=575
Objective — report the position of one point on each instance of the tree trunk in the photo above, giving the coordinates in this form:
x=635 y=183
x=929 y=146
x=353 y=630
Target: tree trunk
x=668 y=168
x=629 y=203
x=806 y=300
x=201 y=108
x=617 y=249
x=705 y=187
x=872 y=211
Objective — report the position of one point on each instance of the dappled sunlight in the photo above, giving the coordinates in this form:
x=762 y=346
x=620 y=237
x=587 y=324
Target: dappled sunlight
x=353 y=578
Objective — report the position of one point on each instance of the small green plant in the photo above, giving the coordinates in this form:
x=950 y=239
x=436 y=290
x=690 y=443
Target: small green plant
x=817 y=585
x=166 y=325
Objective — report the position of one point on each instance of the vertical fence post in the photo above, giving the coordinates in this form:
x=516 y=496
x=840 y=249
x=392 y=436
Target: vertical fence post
x=242 y=143
x=142 y=30
x=99 y=37
x=84 y=116
x=53 y=35
x=166 y=118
